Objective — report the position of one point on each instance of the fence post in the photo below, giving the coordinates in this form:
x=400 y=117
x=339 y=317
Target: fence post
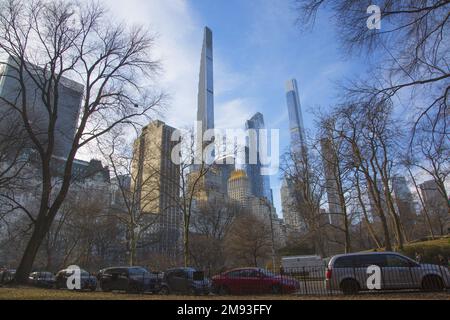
x=304 y=280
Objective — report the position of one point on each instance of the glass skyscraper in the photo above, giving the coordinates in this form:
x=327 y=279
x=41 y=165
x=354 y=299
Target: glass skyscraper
x=259 y=184
x=290 y=201
x=296 y=126
x=70 y=97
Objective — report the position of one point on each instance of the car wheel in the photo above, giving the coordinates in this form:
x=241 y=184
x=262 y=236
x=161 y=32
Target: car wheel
x=276 y=289
x=164 y=290
x=223 y=291
x=349 y=287
x=432 y=284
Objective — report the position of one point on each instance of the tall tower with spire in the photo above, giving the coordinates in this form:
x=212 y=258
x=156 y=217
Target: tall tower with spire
x=296 y=126
x=291 y=201
x=205 y=111
x=215 y=181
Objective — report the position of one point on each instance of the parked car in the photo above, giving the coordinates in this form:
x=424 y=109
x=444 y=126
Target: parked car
x=7 y=276
x=42 y=279
x=349 y=273
x=185 y=281
x=87 y=281
x=253 y=281
x=130 y=279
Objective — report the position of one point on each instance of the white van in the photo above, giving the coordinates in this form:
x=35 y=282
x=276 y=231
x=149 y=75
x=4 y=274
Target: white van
x=303 y=265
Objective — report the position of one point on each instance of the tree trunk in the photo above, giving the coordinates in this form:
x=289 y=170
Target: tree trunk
x=376 y=198
x=425 y=210
x=26 y=264
x=132 y=259
x=186 y=246
x=366 y=217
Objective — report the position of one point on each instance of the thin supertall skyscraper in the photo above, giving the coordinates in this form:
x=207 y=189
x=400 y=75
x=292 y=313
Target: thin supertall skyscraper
x=296 y=126
x=290 y=200
x=205 y=111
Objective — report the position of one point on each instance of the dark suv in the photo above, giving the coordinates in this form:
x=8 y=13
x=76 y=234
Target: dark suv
x=185 y=281
x=87 y=281
x=130 y=279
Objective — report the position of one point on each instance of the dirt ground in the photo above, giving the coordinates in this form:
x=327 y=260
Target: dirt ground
x=44 y=294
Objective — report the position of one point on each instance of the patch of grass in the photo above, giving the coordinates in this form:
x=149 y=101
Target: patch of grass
x=429 y=250
x=25 y=293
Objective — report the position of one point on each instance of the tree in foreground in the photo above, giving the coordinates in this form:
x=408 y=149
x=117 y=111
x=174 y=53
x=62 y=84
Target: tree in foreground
x=49 y=42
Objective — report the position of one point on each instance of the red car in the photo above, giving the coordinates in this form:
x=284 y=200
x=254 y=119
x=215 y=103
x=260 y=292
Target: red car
x=253 y=281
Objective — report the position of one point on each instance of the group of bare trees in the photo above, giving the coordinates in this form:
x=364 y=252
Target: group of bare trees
x=48 y=42
x=367 y=142
x=225 y=235
x=360 y=157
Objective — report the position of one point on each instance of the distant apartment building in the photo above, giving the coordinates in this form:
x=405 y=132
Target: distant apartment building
x=239 y=188
x=291 y=215
x=404 y=203
x=436 y=205
x=155 y=180
x=330 y=165
x=70 y=95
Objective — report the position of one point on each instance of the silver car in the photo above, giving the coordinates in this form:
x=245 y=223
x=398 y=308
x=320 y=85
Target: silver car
x=351 y=273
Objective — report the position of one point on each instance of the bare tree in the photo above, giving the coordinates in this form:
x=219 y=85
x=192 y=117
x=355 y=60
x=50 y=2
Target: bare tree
x=50 y=41
x=304 y=173
x=339 y=173
x=196 y=180
x=136 y=191
x=430 y=155
x=372 y=135
x=246 y=245
x=212 y=223
x=413 y=38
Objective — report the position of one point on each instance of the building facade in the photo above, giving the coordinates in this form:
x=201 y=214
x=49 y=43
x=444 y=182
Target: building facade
x=239 y=188
x=331 y=171
x=155 y=177
x=436 y=205
x=70 y=95
x=291 y=216
x=404 y=202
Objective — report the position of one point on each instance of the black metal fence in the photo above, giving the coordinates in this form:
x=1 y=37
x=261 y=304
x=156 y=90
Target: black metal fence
x=313 y=281
x=321 y=280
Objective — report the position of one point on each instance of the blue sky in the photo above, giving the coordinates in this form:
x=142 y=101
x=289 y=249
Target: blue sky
x=257 y=47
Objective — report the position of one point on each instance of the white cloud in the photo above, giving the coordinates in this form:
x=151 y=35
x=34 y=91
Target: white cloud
x=234 y=113
x=179 y=43
x=177 y=47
